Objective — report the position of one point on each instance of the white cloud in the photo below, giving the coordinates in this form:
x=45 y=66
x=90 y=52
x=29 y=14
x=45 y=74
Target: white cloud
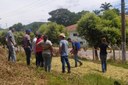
x=27 y=11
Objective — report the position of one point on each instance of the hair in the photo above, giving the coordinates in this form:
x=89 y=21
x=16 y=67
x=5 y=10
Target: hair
x=45 y=36
x=69 y=39
x=39 y=35
x=10 y=28
x=103 y=39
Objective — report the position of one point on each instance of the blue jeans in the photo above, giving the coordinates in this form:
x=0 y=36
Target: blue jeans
x=103 y=58
x=76 y=60
x=12 y=54
x=28 y=55
x=64 y=59
x=47 y=62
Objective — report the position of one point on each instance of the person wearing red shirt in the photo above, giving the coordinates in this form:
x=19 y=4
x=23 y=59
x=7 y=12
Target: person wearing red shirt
x=39 y=49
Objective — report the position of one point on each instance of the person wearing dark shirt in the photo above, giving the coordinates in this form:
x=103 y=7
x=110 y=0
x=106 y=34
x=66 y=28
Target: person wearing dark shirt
x=103 y=54
x=27 y=46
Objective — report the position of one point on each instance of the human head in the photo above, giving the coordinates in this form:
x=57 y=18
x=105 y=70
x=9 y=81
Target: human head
x=28 y=31
x=12 y=29
x=45 y=37
x=39 y=35
x=62 y=36
x=103 y=40
x=69 y=40
x=36 y=34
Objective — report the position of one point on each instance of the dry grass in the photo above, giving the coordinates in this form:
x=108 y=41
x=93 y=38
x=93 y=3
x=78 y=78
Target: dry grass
x=20 y=74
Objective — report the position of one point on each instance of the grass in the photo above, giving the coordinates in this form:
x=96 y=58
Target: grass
x=88 y=74
x=118 y=63
x=88 y=79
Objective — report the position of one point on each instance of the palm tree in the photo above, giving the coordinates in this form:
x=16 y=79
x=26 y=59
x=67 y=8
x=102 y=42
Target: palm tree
x=105 y=6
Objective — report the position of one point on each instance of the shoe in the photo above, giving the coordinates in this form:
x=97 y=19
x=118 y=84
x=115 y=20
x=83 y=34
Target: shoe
x=75 y=65
x=81 y=63
x=63 y=71
x=69 y=71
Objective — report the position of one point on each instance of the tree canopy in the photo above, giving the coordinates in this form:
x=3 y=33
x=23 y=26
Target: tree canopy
x=52 y=30
x=65 y=17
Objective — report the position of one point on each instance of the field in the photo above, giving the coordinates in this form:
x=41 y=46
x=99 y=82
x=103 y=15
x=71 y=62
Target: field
x=87 y=74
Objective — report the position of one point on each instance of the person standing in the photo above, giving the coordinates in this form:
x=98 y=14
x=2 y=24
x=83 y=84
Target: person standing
x=74 y=51
x=10 y=39
x=63 y=49
x=103 y=54
x=39 y=49
x=27 y=46
x=47 y=52
x=34 y=45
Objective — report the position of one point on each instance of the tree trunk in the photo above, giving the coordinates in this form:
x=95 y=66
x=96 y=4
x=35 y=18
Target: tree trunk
x=114 y=58
x=95 y=53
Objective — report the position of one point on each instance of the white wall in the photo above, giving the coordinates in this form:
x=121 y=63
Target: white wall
x=77 y=38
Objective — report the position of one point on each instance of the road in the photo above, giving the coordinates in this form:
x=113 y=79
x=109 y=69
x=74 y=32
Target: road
x=89 y=54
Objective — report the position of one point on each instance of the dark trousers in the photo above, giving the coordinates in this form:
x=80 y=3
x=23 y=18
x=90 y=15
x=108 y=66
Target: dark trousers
x=28 y=55
x=64 y=59
x=39 y=59
x=103 y=62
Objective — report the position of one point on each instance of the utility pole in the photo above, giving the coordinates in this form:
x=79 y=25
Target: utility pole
x=123 y=32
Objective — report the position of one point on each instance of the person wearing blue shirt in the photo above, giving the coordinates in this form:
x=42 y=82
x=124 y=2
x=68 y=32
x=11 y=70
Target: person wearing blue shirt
x=63 y=49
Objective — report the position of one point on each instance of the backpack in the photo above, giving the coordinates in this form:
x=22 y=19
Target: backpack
x=77 y=45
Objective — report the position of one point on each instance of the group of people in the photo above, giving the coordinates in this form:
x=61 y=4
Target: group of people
x=43 y=50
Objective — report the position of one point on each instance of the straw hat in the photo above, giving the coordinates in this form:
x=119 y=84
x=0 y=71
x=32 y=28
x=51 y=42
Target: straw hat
x=62 y=35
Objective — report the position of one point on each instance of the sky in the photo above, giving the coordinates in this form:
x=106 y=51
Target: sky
x=28 y=11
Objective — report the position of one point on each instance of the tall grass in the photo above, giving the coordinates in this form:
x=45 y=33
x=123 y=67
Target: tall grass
x=88 y=79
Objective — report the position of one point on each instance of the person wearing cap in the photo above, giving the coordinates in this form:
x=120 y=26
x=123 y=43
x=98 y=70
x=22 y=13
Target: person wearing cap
x=10 y=39
x=27 y=45
x=63 y=49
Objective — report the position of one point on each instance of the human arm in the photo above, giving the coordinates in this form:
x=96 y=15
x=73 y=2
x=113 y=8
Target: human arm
x=60 y=47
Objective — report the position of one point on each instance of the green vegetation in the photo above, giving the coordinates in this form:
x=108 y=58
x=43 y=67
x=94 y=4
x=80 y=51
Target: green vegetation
x=89 y=79
x=52 y=30
x=118 y=63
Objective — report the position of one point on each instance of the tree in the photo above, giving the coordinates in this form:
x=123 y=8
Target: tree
x=105 y=6
x=97 y=12
x=52 y=30
x=89 y=27
x=80 y=14
x=62 y=16
x=2 y=38
x=34 y=26
x=111 y=19
x=93 y=28
x=18 y=27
